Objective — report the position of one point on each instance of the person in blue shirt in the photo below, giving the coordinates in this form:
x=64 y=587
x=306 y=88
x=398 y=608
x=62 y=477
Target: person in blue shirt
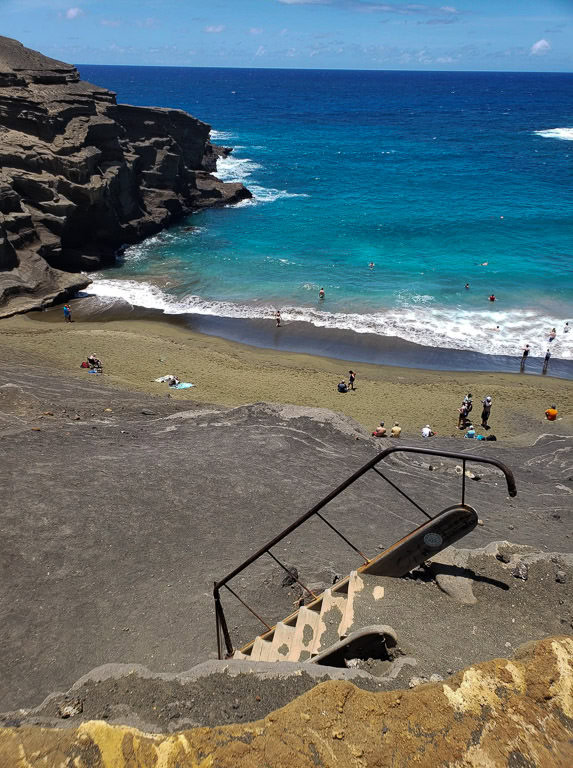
x=471 y=432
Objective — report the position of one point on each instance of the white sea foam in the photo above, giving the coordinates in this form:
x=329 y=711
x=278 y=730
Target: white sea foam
x=269 y=195
x=565 y=134
x=233 y=168
x=221 y=135
x=240 y=169
x=418 y=323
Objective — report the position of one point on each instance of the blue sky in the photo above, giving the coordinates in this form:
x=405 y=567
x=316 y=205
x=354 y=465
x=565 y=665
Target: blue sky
x=519 y=35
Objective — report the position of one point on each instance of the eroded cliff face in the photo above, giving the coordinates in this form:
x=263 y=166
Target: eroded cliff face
x=81 y=175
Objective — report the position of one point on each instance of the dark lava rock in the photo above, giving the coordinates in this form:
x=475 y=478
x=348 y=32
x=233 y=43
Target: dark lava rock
x=81 y=175
x=504 y=558
x=521 y=571
x=561 y=577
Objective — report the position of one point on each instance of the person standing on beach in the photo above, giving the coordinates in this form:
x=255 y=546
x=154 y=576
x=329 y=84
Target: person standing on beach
x=278 y=318
x=486 y=402
x=524 y=357
x=546 y=361
x=67 y=314
x=351 y=379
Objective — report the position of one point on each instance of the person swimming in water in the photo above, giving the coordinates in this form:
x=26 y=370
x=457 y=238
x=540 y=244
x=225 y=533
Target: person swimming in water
x=467 y=286
x=492 y=297
x=321 y=293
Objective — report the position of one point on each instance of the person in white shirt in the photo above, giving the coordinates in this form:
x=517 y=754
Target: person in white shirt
x=426 y=431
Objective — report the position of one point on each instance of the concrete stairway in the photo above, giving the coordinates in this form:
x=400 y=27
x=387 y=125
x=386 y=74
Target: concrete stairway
x=350 y=604
x=354 y=603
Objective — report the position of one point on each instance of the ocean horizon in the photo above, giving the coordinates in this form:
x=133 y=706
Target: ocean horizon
x=437 y=179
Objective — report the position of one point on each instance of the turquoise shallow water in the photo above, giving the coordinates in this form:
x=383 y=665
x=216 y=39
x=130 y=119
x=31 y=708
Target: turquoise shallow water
x=428 y=175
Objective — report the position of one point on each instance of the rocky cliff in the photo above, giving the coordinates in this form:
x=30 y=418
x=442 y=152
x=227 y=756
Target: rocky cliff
x=81 y=175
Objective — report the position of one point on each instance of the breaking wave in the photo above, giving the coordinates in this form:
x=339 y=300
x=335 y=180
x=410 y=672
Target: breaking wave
x=565 y=134
x=429 y=327
x=240 y=169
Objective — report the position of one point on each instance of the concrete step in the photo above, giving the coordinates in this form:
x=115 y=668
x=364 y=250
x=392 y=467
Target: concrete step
x=261 y=650
x=332 y=610
x=282 y=642
x=304 y=635
x=354 y=586
x=367 y=604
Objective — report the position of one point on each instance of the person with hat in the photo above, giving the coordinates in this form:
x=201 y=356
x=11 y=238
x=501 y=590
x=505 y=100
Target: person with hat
x=486 y=402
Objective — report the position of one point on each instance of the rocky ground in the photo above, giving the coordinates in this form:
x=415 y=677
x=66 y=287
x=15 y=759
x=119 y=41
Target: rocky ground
x=123 y=509
x=81 y=175
x=515 y=714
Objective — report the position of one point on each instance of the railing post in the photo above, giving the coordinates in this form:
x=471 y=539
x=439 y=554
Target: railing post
x=221 y=625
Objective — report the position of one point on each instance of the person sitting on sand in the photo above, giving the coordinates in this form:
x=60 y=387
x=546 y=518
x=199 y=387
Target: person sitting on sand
x=471 y=433
x=427 y=431
x=173 y=381
x=551 y=413
x=396 y=430
x=94 y=362
x=342 y=386
x=380 y=431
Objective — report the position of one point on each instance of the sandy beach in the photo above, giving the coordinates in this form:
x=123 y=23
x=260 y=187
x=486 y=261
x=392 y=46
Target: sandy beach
x=137 y=351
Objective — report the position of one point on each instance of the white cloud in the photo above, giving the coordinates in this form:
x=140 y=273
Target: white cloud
x=256 y=30
x=215 y=29
x=540 y=47
x=448 y=9
x=260 y=51
x=110 y=23
x=73 y=13
x=445 y=60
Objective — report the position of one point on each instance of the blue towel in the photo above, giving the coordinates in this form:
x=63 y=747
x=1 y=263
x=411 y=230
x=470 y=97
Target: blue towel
x=183 y=385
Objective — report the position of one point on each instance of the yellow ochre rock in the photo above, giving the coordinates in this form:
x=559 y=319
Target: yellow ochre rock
x=497 y=713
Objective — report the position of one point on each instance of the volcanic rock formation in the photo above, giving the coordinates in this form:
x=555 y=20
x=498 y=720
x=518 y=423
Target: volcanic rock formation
x=81 y=175
x=499 y=713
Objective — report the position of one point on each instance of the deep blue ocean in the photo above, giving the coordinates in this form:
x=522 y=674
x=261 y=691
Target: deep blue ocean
x=439 y=179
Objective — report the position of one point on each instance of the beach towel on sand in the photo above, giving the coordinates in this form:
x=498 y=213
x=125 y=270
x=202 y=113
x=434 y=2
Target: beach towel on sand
x=183 y=385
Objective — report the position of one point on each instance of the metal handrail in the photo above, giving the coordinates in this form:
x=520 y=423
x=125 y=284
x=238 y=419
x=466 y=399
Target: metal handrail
x=464 y=457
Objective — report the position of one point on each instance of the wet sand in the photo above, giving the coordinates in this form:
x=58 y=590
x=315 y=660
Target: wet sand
x=136 y=351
